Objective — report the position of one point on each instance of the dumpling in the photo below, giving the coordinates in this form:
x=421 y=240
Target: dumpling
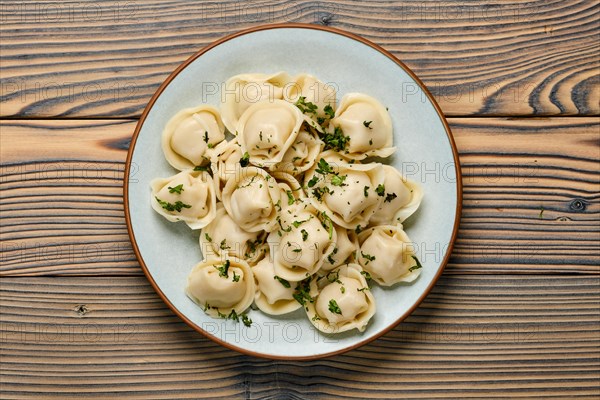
x=190 y=134
x=224 y=237
x=274 y=294
x=345 y=248
x=242 y=91
x=266 y=131
x=346 y=192
x=301 y=155
x=301 y=242
x=188 y=196
x=312 y=96
x=388 y=255
x=344 y=301
x=367 y=125
x=252 y=198
x=223 y=288
x=226 y=161
x=401 y=198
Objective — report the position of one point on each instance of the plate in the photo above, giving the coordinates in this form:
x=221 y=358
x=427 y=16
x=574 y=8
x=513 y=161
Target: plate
x=425 y=153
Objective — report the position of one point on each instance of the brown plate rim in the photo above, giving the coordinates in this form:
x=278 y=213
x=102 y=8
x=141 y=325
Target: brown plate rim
x=287 y=26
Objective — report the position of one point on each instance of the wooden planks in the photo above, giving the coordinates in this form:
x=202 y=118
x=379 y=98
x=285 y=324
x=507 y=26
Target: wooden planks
x=62 y=213
x=474 y=336
x=107 y=58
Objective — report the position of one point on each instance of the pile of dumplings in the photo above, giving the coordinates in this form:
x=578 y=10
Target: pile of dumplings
x=292 y=211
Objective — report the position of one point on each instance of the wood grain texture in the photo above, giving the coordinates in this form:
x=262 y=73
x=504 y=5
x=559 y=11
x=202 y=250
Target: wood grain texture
x=473 y=337
x=61 y=209
x=105 y=59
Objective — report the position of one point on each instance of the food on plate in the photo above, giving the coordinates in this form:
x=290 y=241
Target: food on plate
x=292 y=210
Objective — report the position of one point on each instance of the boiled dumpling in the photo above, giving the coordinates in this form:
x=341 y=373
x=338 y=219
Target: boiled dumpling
x=188 y=196
x=222 y=287
x=252 y=198
x=344 y=301
x=312 y=96
x=190 y=134
x=242 y=91
x=401 y=198
x=346 y=192
x=274 y=294
x=388 y=255
x=266 y=131
x=301 y=242
x=224 y=237
x=366 y=123
x=226 y=161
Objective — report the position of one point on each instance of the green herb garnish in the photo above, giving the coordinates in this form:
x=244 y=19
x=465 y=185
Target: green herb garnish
x=380 y=190
x=178 y=206
x=290 y=196
x=334 y=308
x=306 y=106
x=245 y=160
x=285 y=283
x=417 y=266
x=367 y=257
x=223 y=269
x=177 y=189
x=389 y=197
x=304 y=235
x=367 y=124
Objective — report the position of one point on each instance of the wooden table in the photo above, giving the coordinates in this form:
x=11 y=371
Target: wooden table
x=516 y=312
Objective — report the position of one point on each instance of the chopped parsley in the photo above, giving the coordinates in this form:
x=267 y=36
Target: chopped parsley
x=178 y=206
x=236 y=277
x=246 y=320
x=304 y=235
x=223 y=245
x=205 y=136
x=320 y=191
x=334 y=308
x=302 y=292
x=366 y=191
x=389 y=197
x=290 y=196
x=327 y=223
x=368 y=124
x=362 y=289
x=285 y=283
x=417 y=266
x=338 y=180
x=380 y=190
x=223 y=269
x=329 y=112
x=177 y=189
x=366 y=274
x=208 y=238
x=335 y=140
x=306 y=106
x=313 y=181
x=297 y=250
x=323 y=167
x=201 y=168
x=358 y=229
x=245 y=160
x=330 y=258
x=367 y=257
x=298 y=223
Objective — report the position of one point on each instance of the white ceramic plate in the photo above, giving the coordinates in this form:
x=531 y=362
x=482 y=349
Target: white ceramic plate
x=426 y=153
